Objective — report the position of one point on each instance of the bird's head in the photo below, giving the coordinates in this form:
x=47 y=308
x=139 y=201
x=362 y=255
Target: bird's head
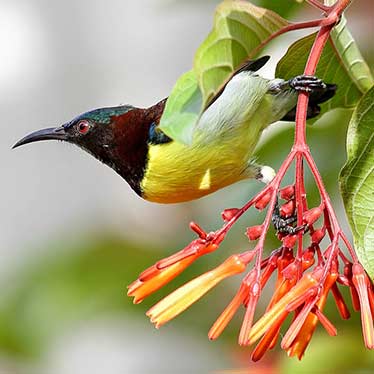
x=93 y=131
x=116 y=136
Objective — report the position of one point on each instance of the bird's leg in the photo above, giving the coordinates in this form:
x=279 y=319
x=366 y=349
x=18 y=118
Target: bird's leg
x=307 y=83
x=284 y=225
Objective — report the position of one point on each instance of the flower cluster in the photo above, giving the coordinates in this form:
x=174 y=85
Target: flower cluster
x=305 y=275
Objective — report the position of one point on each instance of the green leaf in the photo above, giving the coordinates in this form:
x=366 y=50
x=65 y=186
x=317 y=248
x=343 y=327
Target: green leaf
x=351 y=56
x=341 y=63
x=182 y=109
x=239 y=27
x=285 y=8
x=357 y=180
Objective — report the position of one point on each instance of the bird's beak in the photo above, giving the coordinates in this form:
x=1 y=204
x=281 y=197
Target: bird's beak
x=52 y=133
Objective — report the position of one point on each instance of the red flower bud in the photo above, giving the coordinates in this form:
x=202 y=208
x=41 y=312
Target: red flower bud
x=289 y=241
x=199 y=231
x=254 y=232
x=308 y=258
x=312 y=215
x=318 y=235
x=288 y=209
x=287 y=193
x=342 y=279
x=227 y=214
x=263 y=202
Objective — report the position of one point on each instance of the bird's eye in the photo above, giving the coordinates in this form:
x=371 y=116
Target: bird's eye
x=83 y=127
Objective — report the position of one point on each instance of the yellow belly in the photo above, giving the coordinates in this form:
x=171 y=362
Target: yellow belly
x=222 y=147
x=178 y=173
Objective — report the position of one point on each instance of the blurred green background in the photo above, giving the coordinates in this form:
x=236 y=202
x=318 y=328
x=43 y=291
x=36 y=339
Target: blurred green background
x=72 y=233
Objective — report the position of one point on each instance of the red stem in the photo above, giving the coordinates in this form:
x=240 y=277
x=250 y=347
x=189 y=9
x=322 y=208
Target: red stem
x=274 y=184
x=302 y=103
x=299 y=190
x=227 y=226
x=285 y=29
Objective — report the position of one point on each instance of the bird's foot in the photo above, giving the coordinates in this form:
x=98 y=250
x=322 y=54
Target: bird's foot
x=285 y=225
x=307 y=83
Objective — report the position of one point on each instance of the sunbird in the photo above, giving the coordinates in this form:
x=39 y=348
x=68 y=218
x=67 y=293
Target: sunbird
x=163 y=170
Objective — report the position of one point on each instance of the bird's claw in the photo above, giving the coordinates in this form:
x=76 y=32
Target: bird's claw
x=285 y=225
x=307 y=83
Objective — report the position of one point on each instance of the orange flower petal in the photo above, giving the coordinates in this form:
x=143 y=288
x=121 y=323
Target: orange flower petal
x=268 y=341
x=276 y=336
x=280 y=291
x=185 y=296
x=325 y=322
x=197 y=248
x=308 y=259
x=161 y=273
x=140 y=290
x=254 y=294
x=355 y=299
x=301 y=299
x=371 y=299
x=340 y=303
x=302 y=340
x=279 y=309
x=360 y=281
x=226 y=316
x=304 y=336
x=353 y=292
x=269 y=269
x=296 y=325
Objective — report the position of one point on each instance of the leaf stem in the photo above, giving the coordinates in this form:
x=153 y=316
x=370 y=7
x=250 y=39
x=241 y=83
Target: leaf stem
x=285 y=29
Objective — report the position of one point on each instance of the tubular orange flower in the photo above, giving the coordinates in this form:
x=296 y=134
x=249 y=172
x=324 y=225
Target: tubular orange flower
x=263 y=201
x=361 y=283
x=228 y=214
x=298 y=322
x=269 y=268
x=226 y=316
x=254 y=294
x=300 y=343
x=183 y=297
x=371 y=298
x=141 y=289
x=325 y=322
x=352 y=289
x=268 y=340
x=156 y=276
x=340 y=303
x=279 y=309
x=285 y=281
x=283 y=285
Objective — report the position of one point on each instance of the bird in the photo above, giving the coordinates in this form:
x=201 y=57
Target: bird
x=163 y=170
